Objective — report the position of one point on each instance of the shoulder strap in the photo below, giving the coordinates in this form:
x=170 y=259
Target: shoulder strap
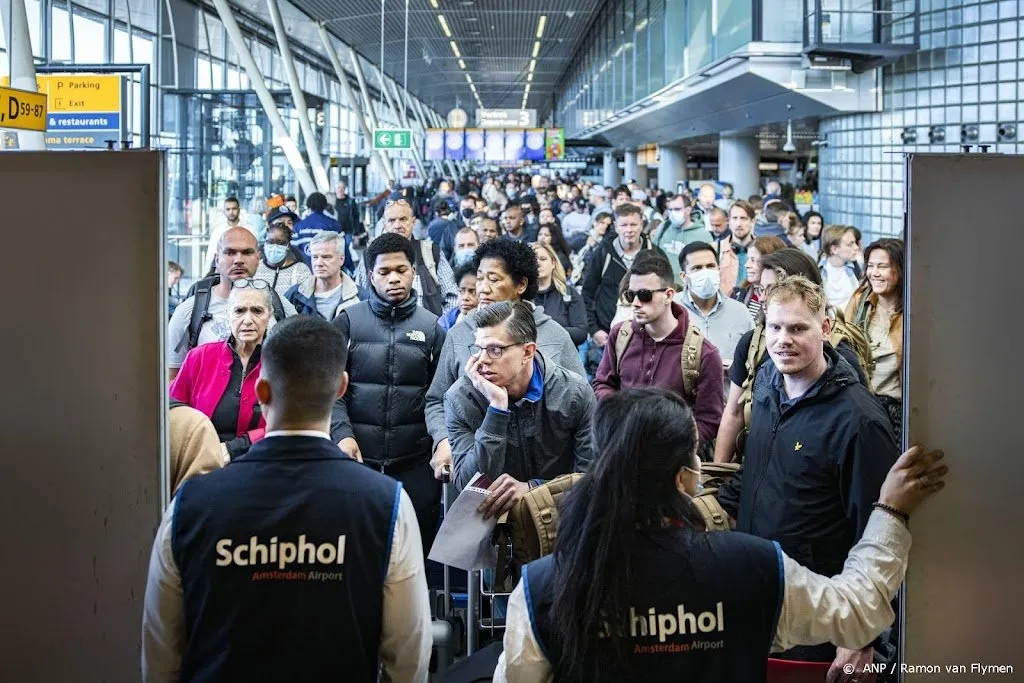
x=607 y=262
x=622 y=342
x=429 y=260
x=753 y=358
x=175 y=403
x=275 y=301
x=693 y=345
x=715 y=517
x=200 y=306
x=861 y=316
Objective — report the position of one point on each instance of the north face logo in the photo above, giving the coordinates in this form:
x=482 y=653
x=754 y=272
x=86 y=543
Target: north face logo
x=416 y=336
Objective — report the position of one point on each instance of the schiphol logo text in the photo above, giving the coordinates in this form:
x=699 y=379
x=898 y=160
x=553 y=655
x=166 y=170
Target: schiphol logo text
x=274 y=560
x=704 y=630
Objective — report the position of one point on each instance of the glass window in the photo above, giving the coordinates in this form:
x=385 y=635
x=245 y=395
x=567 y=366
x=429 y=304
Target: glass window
x=34 y=13
x=642 y=40
x=698 y=49
x=90 y=41
x=656 y=30
x=735 y=25
x=675 y=38
x=142 y=48
x=628 y=39
x=60 y=32
x=143 y=13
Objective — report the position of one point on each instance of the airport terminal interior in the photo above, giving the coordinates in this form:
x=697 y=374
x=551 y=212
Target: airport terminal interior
x=550 y=242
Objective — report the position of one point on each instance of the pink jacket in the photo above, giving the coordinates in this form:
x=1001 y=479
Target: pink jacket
x=204 y=378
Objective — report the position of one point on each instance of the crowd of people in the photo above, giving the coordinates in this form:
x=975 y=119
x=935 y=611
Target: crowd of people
x=526 y=327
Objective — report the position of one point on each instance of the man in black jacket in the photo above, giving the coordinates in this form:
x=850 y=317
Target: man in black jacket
x=818 y=451
x=394 y=346
x=346 y=210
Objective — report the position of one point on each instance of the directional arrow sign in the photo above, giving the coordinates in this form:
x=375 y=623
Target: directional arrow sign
x=392 y=138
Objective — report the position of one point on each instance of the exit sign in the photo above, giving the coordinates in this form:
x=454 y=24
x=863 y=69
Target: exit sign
x=393 y=138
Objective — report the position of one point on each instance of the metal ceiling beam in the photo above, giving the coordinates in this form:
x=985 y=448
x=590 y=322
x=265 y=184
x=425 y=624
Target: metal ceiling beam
x=403 y=119
x=256 y=81
x=356 y=105
x=299 y=99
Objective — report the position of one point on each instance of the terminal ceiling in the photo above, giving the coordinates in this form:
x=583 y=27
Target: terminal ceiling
x=495 y=38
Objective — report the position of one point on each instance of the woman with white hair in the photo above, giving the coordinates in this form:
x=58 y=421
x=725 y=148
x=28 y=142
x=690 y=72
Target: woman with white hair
x=219 y=378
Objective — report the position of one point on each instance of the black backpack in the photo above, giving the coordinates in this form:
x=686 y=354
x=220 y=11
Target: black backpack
x=201 y=290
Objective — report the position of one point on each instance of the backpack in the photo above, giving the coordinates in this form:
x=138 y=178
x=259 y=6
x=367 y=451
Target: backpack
x=713 y=476
x=842 y=330
x=432 y=296
x=690 y=356
x=202 y=291
x=530 y=528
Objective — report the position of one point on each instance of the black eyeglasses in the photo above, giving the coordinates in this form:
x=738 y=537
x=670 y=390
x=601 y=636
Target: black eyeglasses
x=645 y=295
x=492 y=351
x=249 y=282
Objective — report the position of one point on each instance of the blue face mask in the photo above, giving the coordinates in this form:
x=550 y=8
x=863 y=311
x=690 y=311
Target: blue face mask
x=275 y=252
x=463 y=256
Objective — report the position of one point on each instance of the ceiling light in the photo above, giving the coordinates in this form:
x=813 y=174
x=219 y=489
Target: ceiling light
x=455 y=49
x=527 y=91
x=540 y=26
x=469 y=79
x=529 y=77
x=536 y=49
x=434 y=3
x=444 y=26
x=533 y=64
x=462 y=65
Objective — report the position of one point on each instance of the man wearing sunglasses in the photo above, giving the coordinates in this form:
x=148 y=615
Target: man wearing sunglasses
x=653 y=349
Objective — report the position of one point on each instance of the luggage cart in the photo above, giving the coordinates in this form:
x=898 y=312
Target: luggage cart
x=483 y=602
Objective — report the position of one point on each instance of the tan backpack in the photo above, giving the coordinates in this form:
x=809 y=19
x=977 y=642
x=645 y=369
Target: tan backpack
x=530 y=528
x=690 y=356
x=713 y=476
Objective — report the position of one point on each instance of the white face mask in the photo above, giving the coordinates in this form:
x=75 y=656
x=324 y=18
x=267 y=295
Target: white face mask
x=704 y=283
x=677 y=216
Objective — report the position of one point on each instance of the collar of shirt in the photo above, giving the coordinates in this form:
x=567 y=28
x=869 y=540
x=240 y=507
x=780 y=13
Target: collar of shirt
x=535 y=390
x=779 y=383
x=297 y=432
x=692 y=305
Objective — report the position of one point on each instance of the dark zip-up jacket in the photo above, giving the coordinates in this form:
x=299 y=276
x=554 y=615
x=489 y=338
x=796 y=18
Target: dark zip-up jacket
x=540 y=440
x=568 y=310
x=601 y=282
x=393 y=354
x=812 y=469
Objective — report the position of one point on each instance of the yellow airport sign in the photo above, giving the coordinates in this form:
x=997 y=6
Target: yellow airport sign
x=22 y=110
x=80 y=92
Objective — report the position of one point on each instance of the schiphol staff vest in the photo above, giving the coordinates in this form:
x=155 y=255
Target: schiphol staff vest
x=704 y=608
x=283 y=555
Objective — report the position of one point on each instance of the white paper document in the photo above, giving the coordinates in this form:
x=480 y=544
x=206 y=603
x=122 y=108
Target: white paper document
x=464 y=539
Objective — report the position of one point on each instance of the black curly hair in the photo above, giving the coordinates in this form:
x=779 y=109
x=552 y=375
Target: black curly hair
x=464 y=270
x=388 y=243
x=519 y=259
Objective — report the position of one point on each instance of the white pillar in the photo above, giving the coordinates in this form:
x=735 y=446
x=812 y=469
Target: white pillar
x=291 y=150
x=671 y=167
x=403 y=116
x=357 y=107
x=738 y=159
x=22 y=66
x=611 y=169
x=629 y=170
x=298 y=100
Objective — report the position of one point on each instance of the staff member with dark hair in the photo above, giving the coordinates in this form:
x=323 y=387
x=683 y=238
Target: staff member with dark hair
x=638 y=589
x=294 y=563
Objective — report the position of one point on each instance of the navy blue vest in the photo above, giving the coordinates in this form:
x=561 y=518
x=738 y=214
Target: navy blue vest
x=283 y=556
x=704 y=608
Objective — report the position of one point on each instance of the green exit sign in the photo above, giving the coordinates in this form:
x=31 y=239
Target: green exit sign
x=393 y=138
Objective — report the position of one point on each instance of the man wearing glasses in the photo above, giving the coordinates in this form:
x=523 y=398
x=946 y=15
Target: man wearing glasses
x=435 y=282
x=514 y=415
x=651 y=350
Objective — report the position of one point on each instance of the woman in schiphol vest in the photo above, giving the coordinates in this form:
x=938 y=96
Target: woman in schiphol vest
x=638 y=590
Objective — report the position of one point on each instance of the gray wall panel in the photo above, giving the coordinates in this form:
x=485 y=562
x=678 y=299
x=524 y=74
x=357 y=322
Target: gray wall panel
x=965 y=377
x=82 y=428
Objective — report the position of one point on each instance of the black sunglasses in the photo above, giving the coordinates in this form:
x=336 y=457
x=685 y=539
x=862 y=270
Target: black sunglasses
x=645 y=295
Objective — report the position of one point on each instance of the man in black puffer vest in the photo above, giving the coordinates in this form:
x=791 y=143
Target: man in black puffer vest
x=394 y=346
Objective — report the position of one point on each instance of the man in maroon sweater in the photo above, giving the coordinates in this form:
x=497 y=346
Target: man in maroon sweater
x=653 y=355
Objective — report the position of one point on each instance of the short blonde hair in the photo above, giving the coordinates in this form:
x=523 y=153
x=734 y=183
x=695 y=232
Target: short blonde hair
x=797 y=287
x=832 y=235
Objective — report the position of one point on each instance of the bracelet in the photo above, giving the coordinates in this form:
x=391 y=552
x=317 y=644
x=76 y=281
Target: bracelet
x=892 y=511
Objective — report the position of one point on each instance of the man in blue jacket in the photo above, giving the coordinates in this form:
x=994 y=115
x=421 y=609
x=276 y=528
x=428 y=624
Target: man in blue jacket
x=819 y=448
x=307 y=228
x=293 y=563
